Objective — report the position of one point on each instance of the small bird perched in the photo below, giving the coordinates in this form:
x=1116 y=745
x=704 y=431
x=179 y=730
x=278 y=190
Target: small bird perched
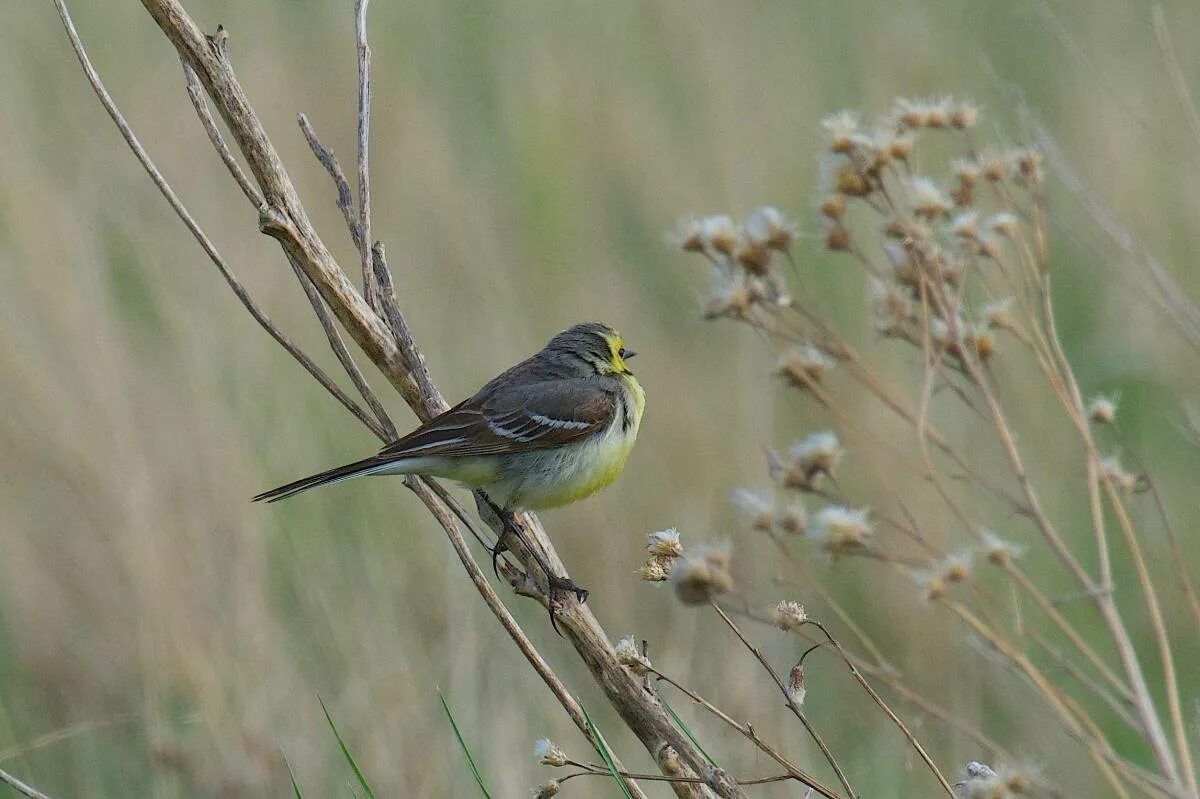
x=551 y=430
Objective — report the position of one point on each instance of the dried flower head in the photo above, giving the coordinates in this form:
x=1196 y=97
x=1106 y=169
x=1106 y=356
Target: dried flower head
x=804 y=365
x=1102 y=409
x=833 y=207
x=757 y=507
x=730 y=295
x=790 y=615
x=964 y=225
x=840 y=530
x=909 y=113
x=902 y=146
x=688 y=235
x=548 y=753
x=814 y=455
x=998 y=314
x=1124 y=481
x=702 y=574
x=979 y=781
x=796 y=692
x=1026 y=165
x=841 y=128
x=849 y=181
x=770 y=228
x=630 y=656
x=956 y=566
x=753 y=256
x=664 y=543
x=655 y=570
x=932 y=584
x=938 y=112
x=998 y=550
x=964 y=115
x=928 y=201
x=995 y=165
x=980 y=339
x=1003 y=224
x=719 y=233
x=793 y=520
x=891 y=309
x=546 y=790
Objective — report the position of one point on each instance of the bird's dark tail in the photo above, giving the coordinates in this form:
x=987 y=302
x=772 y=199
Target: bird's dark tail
x=335 y=475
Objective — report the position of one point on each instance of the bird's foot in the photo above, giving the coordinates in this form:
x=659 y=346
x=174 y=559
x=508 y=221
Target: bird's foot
x=555 y=585
x=497 y=551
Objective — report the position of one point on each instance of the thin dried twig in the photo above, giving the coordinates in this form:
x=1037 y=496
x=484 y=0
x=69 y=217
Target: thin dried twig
x=205 y=242
x=17 y=785
x=370 y=287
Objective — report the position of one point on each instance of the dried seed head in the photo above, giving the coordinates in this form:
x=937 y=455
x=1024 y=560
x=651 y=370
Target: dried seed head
x=630 y=656
x=833 y=207
x=664 y=543
x=1124 y=481
x=655 y=570
x=688 y=235
x=796 y=692
x=794 y=518
x=965 y=225
x=730 y=295
x=902 y=146
x=1102 y=409
x=804 y=365
x=995 y=166
x=546 y=790
x=964 y=115
x=937 y=113
x=838 y=238
x=980 y=339
x=840 y=530
x=548 y=753
x=790 y=615
x=909 y=113
x=758 y=508
x=956 y=566
x=967 y=170
x=904 y=266
x=753 y=256
x=849 y=181
x=769 y=227
x=814 y=455
x=928 y=201
x=719 y=233
x=702 y=575
x=979 y=781
x=891 y=309
x=998 y=314
x=933 y=586
x=1003 y=224
x=998 y=550
x=840 y=128
x=1026 y=167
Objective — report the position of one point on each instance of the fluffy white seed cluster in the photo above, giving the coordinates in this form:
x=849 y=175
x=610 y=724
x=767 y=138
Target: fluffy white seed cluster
x=840 y=530
x=703 y=575
x=629 y=655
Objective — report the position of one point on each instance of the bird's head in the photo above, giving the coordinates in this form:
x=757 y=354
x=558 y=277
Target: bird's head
x=593 y=347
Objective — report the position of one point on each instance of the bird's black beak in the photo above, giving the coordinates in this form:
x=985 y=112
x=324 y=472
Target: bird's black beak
x=628 y=354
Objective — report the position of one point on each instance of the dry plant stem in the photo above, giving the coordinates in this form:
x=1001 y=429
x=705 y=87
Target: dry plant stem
x=394 y=353
x=912 y=740
x=370 y=285
x=594 y=770
x=283 y=216
x=795 y=708
x=428 y=492
x=345 y=200
x=890 y=678
x=748 y=731
x=201 y=237
x=196 y=95
x=1105 y=602
x=21 y=787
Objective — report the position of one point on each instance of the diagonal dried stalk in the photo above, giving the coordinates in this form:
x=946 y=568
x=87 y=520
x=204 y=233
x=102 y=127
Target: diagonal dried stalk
x=20 y=787
x=390 y=346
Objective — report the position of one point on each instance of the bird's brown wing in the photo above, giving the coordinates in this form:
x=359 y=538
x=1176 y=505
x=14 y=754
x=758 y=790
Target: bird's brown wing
x=530 y=417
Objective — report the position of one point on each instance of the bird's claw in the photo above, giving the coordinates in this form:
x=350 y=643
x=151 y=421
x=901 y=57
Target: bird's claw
x=555 y=585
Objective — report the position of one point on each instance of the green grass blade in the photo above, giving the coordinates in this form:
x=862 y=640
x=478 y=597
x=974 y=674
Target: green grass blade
x=292 y=775
x=463 y=745
x=684 y=728
x=602 y=747
x=362 y=781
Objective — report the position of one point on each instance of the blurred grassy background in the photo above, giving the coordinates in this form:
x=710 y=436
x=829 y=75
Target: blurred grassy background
x=527 y=158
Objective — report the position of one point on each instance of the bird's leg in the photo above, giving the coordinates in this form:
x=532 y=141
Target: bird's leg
x=554 y=582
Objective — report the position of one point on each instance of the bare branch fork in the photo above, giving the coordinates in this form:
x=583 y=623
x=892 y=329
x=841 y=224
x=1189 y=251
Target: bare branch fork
x=374 y=321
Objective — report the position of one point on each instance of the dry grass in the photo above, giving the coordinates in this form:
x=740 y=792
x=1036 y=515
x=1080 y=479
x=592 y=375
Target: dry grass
x=141 y=405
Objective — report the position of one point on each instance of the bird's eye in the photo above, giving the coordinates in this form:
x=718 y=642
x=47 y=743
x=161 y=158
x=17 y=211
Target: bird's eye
x=625 y=354
x=621 y=352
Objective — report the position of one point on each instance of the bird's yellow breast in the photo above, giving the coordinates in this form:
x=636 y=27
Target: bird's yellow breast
x=580 y=471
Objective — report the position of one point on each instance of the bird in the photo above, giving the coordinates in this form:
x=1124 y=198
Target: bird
x=552 y=430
